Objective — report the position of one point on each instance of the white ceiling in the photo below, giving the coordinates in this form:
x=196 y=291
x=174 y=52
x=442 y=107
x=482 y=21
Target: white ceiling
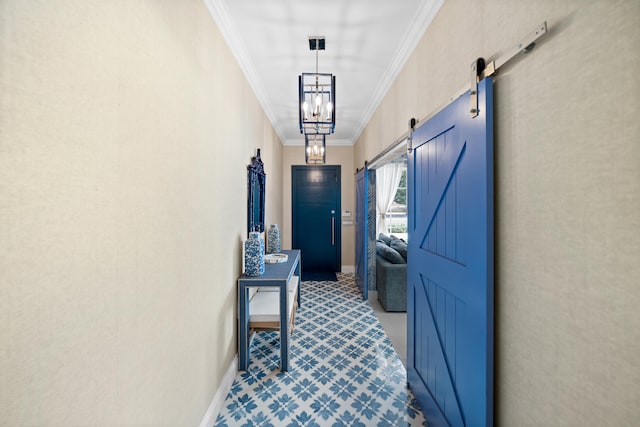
x=367 y=43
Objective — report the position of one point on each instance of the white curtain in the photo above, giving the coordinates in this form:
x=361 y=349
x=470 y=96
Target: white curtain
x=387 y=181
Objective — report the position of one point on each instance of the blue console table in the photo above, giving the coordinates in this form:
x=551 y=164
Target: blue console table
x=277 y=275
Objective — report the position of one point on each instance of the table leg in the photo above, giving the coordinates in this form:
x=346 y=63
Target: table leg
x=243 y=329
x=284 y=329
x=297 y=272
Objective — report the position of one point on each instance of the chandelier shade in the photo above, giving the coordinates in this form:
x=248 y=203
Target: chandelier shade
x=315 y=152
x=317 y=103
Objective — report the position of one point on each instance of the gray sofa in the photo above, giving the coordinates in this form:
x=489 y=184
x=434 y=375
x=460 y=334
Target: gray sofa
x=391 y=273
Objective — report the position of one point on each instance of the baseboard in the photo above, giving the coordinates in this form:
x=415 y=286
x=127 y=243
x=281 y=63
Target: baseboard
x=349 y=269
x=218 y=399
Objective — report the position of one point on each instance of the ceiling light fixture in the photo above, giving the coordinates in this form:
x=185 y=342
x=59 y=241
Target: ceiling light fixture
x=314 y=149
x=317 y=97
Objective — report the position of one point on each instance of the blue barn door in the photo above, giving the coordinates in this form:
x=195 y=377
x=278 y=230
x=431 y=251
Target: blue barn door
x=361 y=232
x=450 y=264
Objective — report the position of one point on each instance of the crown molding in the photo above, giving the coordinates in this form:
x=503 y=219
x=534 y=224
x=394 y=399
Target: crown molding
x=330 y=142
x=415 y=30
x=231 y=35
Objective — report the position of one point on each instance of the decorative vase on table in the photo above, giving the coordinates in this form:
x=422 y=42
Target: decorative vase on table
x=273 y=239
x=254 y=255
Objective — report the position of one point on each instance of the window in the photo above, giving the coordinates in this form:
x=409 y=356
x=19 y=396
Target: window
x=397 y=213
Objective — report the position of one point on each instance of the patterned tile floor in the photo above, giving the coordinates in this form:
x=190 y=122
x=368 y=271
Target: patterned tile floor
x=343 y=369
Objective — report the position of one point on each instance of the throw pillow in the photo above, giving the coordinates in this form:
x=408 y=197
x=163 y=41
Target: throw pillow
x=400 y=246
x=389 y=253
x=384 y=238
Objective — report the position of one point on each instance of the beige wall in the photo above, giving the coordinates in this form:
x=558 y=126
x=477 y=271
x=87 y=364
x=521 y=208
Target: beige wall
x=125 y=131
x=336 y=155
x=567 y=196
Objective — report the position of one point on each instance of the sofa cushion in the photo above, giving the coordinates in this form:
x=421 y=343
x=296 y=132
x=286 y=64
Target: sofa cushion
x=400 y=246
x=389 y=253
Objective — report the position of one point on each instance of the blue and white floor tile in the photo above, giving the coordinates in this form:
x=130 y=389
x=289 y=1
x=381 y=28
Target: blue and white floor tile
x=343 y=369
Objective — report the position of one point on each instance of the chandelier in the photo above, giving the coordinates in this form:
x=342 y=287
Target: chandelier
x=317 y=97
x=314 y=149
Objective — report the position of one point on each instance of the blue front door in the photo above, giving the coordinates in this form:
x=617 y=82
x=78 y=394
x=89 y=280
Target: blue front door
x=450 y=264
x=362 y=234
x=316 y=227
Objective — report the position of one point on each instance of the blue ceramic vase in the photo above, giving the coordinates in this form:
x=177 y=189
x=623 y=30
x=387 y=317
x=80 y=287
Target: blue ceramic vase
x=273 y=239
x=254 y=255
